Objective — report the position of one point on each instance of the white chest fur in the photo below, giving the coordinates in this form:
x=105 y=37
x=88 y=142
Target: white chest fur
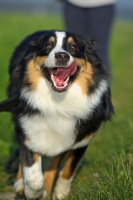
x=53 y=131
x=49 y=135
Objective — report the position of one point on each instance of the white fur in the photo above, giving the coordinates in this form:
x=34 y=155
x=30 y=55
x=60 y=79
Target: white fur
x=33 y=180
x=80 y=144
x=45 y=195
x=62 y=188
x=18 y=185
x=53 y=131
x=50 y=60
x=46 y=136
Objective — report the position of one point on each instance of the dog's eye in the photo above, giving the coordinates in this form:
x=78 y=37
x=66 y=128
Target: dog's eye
x=48 y=46
x=73 y=47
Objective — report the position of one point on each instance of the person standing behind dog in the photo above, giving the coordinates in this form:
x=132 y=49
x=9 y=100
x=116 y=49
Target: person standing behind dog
x=91 y=18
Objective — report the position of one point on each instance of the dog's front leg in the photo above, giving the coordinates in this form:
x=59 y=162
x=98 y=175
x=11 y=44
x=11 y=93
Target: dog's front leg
x=32 y=173
x=64 y=181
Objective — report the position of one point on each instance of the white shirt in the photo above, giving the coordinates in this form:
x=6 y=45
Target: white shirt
x=91 y=3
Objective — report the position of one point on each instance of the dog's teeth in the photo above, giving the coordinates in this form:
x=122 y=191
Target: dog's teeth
x=64 y=83
x=67 y=79
x=52 y=78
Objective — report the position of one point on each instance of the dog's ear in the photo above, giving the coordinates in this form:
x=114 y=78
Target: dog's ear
x=91 y=44
x=6 y=105
x=90 y=52
x=36 y=42
x=108 y=109
x=33 y=46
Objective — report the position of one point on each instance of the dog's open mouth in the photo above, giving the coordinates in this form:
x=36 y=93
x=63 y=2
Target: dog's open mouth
x=61 y=77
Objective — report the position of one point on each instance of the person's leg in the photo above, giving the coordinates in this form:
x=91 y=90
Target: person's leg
x=98 y=24
x=74 y=18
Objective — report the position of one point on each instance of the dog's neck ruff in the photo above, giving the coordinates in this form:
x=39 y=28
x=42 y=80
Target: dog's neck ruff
x=69 y=103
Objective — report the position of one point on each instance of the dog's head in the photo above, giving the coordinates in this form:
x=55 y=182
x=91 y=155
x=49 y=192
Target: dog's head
x=52 y=65
x=63 y=58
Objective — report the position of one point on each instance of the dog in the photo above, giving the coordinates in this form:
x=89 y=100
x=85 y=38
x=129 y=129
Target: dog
x=63 y=96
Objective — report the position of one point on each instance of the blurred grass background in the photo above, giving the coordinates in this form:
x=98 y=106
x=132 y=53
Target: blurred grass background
x=107 y=169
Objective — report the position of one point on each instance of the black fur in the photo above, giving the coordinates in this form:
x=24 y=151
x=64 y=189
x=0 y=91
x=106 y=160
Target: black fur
x=35 y=45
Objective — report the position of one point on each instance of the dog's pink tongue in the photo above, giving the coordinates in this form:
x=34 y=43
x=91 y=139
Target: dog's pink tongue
x=62 y=73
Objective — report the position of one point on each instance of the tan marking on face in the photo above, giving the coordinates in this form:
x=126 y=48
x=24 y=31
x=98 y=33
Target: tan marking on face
x=70 y=40
x=51 y=39
x=84 y=79
x=33 y=72
x=51 y=171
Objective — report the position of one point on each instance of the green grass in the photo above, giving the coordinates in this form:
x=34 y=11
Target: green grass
x=106 y=172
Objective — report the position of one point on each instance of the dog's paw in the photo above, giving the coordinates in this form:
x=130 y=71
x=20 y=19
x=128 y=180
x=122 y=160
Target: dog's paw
x=62 y=188
x=19 y=187
x=33 y=186
x=44 y=195
x=20 y=196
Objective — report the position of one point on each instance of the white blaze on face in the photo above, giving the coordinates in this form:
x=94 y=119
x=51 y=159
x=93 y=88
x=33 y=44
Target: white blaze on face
x=50 y=61
x=60 y=36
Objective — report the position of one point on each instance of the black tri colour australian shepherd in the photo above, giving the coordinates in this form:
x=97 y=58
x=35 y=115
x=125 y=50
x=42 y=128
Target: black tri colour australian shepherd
x=64 y=96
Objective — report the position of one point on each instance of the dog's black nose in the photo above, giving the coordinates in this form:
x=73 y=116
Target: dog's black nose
x=62 y=57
